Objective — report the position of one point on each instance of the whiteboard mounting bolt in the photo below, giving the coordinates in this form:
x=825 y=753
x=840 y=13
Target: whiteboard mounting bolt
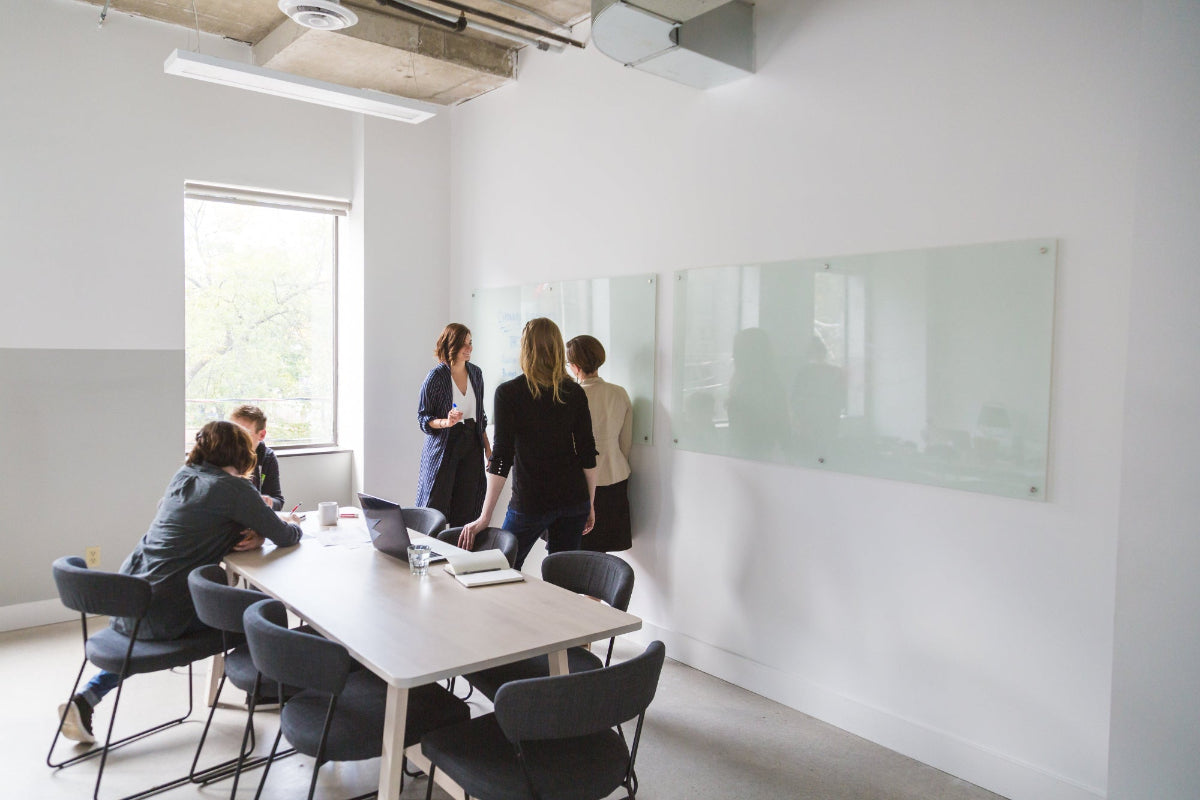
x=1033 y=490
x=821 y=460
x=1044 y=250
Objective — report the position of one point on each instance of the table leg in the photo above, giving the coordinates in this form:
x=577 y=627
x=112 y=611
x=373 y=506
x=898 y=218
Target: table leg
x=215 y=670
x=391 y=767
x=558 y=662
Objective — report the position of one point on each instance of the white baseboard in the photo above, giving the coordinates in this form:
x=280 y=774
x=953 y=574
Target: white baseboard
x=972 y=762
x=30 y=615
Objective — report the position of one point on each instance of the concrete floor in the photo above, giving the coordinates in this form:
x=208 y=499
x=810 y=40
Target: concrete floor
x=703 y=738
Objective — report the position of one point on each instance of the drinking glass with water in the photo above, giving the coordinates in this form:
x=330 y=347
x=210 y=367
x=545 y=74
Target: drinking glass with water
x=418 y=559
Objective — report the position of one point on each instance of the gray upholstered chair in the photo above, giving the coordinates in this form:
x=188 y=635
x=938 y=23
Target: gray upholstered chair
x=222 y=606
x=428 y=521
x=556 y=737
x=600 y=575
x=339 y=713
x=486 y=539
x=113 y=594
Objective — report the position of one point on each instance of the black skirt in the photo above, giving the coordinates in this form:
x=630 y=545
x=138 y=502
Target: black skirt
x=612 y=531
x=459 y=485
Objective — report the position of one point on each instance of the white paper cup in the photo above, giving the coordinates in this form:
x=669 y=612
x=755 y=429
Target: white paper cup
x=327 y=512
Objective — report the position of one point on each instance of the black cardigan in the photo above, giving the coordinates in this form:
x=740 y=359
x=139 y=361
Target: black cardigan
x=548 y=444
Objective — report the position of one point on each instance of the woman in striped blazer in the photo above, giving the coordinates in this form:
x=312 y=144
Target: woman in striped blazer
x=451 y=414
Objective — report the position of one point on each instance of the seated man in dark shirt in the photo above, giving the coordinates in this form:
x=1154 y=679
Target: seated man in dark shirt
x=266 y=473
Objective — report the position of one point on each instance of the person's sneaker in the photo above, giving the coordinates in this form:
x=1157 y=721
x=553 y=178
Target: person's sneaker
x=78 y=722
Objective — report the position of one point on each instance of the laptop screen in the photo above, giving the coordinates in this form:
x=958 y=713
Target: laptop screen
x=383 y=517
x=389 y=533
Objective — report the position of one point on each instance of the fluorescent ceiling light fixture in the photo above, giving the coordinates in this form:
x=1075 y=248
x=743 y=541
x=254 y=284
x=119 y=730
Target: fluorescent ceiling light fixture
x=296 y=87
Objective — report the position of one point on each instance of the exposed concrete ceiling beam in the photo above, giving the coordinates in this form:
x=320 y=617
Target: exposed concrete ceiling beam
x=391 y=55
x=387 y=50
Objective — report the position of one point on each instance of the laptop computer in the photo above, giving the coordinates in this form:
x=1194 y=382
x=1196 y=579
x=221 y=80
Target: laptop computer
x=389 y=534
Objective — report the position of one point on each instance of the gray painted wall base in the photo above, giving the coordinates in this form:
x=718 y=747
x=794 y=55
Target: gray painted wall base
x=90 y=438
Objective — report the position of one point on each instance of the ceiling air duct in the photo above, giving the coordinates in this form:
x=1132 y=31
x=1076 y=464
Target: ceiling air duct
x=708 y=50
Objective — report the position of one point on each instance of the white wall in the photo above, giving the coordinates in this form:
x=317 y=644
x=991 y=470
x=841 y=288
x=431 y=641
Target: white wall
x=1156 y=663
x=407 y=197
x=97 y=143
x=95 y=146
x=972 y=632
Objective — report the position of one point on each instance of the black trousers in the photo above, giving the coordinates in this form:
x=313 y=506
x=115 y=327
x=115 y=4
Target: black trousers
x=459 y=484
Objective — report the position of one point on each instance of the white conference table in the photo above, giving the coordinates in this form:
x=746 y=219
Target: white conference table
x=412 y=630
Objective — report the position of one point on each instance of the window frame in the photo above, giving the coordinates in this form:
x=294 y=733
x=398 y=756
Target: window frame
x=288 y=201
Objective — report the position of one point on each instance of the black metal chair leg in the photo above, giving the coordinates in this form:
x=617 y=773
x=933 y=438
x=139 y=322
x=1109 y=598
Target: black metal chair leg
x=429 y=789
x=192 y=774
x=270 y=760
x=246 y=734
x=133 y=737
x=63 y=720
x=110 y=745
x=112 y=720
x=450 y=684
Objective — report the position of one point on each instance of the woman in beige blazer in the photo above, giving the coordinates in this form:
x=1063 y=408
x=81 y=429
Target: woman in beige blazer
x=612 y=428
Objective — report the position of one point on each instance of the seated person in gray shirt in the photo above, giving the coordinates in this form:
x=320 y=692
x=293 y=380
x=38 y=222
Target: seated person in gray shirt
x=209 y=509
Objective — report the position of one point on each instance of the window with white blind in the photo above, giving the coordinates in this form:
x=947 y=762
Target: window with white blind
x=261 y=310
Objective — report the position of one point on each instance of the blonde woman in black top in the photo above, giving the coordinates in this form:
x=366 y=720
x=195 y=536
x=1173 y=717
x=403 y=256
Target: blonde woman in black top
x=543 y=433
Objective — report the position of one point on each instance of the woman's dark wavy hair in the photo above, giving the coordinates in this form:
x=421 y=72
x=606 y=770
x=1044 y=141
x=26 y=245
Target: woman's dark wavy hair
x=453 y=339
x=223 y=444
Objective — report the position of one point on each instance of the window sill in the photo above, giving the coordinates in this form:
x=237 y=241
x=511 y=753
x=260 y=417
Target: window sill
x=288 y=452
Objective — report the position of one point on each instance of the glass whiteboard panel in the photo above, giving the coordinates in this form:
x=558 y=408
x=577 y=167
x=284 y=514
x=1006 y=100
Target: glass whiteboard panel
x=930 y=366
x=620 y=312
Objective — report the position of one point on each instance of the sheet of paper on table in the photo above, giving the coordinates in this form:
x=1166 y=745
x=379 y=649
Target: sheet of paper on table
x=342 y=535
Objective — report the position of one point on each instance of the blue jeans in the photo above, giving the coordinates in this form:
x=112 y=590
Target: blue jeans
x=101 y=684
x=565 y=526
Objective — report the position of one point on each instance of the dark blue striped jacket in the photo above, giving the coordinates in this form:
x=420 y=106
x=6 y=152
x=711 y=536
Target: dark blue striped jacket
x=437 y=396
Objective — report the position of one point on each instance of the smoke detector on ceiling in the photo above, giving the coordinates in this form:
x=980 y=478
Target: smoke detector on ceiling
x=321 y=15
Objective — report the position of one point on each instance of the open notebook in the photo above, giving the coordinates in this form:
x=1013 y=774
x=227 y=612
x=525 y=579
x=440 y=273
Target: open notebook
x=481 y=568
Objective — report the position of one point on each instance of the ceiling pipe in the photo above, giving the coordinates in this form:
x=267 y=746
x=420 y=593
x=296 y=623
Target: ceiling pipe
x=484 y=28
x=533 y=12
x=448 y=22
x=511 y=23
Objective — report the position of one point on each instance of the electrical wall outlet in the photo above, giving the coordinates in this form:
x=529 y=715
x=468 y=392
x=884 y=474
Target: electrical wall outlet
x=92 y=556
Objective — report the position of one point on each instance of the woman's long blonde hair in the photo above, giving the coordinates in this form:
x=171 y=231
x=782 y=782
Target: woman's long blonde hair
x=543 y=358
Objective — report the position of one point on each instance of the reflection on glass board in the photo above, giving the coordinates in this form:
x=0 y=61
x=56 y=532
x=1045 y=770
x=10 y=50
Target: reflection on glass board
x=930 y=366
x=620 y=312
